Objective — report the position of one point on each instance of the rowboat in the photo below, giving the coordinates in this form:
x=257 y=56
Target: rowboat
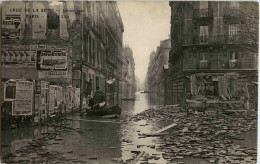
x=104 y=111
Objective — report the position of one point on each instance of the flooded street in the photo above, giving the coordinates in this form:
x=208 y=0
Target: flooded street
x=77 y=139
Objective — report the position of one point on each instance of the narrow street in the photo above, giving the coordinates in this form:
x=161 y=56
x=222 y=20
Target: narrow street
x=76 y=139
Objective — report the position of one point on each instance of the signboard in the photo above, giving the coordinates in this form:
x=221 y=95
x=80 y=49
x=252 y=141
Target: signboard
x=23 y=102
x=11 y=26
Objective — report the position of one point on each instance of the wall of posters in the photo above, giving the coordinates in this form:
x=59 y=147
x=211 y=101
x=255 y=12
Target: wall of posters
x=23 y=102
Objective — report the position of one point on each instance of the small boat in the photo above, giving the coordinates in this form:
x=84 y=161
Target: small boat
x=103 y=111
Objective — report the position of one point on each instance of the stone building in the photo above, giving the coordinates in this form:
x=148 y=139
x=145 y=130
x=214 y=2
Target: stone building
x=63 y=50
x=128 y=74
x=214 y=39
x=158 y=65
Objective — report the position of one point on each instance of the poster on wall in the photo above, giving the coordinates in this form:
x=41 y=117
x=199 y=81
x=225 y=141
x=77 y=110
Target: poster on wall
x=44 y=97
x=77 y=97
x=52 y=64
x=37 y=103
x=69 y=97
x=52 y=99
x=23 y=102
x=11 y=26
x=19 y=56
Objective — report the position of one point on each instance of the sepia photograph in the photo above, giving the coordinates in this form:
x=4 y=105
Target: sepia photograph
x=129 y=82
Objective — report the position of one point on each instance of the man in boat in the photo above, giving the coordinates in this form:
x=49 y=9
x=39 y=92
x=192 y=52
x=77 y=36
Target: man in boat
x=99 y=97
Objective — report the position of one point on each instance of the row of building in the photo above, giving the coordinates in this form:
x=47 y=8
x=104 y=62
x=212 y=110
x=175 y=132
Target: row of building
x=213 y=52
x=57 y=53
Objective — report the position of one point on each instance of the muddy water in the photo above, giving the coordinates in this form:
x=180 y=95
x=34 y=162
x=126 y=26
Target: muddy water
x=103 y=142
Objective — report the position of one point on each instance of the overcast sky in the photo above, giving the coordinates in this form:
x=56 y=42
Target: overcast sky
x=146 y=24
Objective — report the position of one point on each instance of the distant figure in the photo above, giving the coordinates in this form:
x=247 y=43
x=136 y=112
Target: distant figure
x=98 y=96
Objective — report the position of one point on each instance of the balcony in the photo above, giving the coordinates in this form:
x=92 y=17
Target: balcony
x=203 y=64
x=234 y=64
x=203 y=13
x=231 y=12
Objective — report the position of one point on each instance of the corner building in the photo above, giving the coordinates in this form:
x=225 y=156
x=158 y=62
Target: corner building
x=210 y=38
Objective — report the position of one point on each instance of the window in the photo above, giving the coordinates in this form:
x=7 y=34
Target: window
x=53 y=20
x=233 y=55
x=204 y=34
x=233 y=30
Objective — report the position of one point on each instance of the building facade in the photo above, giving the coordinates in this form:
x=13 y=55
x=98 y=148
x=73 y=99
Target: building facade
x=61 y=51
x=212 y=38
x=128 y=74
x=158 y=66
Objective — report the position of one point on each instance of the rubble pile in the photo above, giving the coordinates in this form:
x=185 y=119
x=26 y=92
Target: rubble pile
x=210 y=136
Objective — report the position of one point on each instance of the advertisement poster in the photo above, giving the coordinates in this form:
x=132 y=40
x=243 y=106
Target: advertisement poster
x=44 y=96
x=52 y=64
x=59 y=95
x=11 y=26
x=23 y=102
x=69 y=97
x=37 y=103
x=77 y=97
x=52 y=99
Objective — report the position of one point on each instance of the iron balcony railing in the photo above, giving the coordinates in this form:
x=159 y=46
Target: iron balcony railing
x=203 y=13
x=215 y=39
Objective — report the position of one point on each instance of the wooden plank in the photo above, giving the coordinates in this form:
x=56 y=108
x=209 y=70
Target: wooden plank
x=137 y=158
x=93 y=120
x=159 y=132
x=167 y=127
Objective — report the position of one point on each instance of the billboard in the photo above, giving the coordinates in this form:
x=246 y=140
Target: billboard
x=23 y=102
x=52 y=63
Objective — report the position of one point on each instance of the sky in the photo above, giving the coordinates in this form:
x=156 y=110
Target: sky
x=145 y=25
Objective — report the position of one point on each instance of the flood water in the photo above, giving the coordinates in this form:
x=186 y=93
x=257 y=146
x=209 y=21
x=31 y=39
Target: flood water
x=99 y=142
